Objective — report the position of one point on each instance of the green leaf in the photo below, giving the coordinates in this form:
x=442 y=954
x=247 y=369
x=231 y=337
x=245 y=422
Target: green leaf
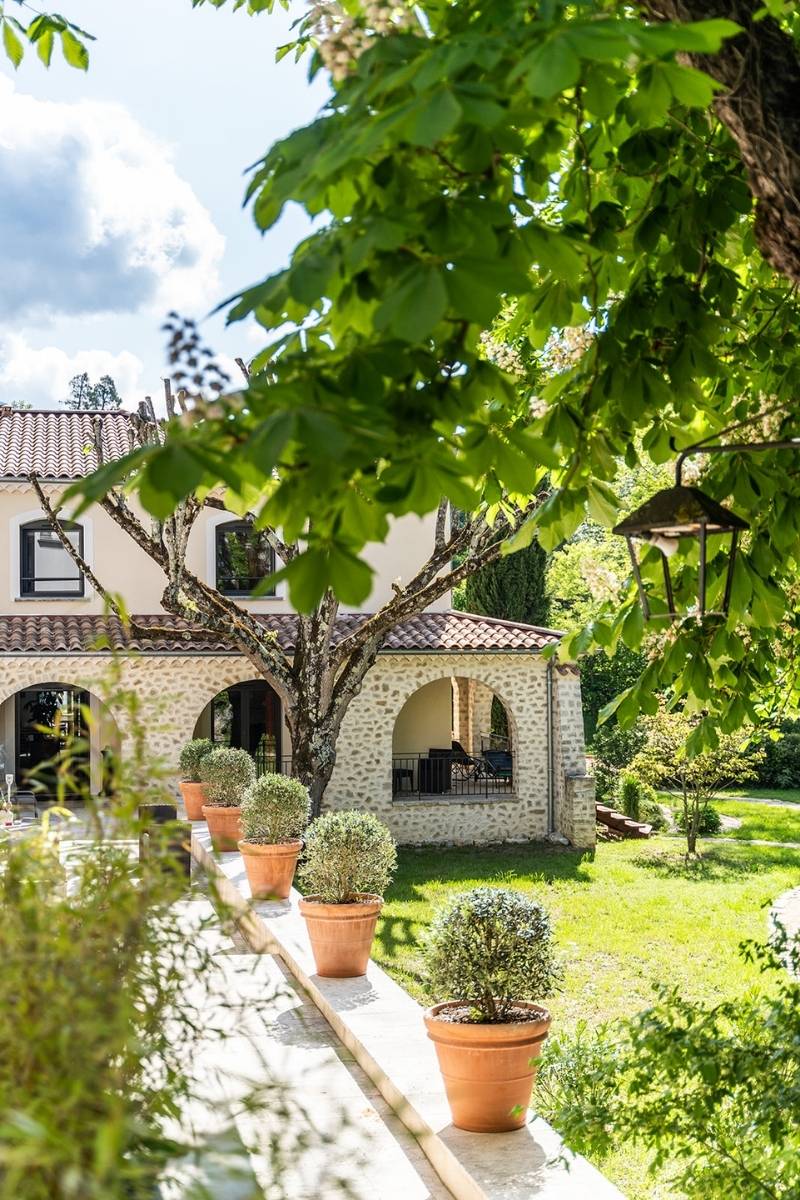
x=415 y=306
x=599 y=94
x=603 y=504
x=44 y=46
x=693 y=88
x=12 y=44
x=551 y=68
x=437 y=116
x=74 y=51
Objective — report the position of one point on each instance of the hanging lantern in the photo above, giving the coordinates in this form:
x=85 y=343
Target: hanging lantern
x=665 y=520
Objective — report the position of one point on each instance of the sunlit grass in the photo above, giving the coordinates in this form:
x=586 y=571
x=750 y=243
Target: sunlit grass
x=627 y=918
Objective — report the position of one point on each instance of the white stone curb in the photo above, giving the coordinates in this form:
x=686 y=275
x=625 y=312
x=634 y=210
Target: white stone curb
x=382 y=1027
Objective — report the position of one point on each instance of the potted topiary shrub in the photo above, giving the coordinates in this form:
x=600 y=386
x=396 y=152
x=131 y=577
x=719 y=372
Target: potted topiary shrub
x=487 y=952
x=349 y=859
x=192 y=790
x=275 y=812
x=227 y=773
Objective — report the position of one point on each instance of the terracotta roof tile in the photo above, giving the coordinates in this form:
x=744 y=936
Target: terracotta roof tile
x=61 y=444
x=427 y=632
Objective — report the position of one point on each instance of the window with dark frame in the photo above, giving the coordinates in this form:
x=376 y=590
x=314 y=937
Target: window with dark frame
x=244 y=558
x=46 y=569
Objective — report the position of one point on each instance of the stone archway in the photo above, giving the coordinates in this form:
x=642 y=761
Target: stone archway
x=441 y=744
x=250 y=715
x=73 y=713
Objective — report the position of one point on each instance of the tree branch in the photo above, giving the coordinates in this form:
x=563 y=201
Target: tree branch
x=483 y=543
x=83 y=566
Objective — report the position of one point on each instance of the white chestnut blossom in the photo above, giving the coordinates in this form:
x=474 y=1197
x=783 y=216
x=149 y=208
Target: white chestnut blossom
x=342 y=39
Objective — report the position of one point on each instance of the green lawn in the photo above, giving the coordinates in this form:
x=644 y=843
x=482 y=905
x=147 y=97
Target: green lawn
x=625 y=918
x=790 y=794
x=768 y=821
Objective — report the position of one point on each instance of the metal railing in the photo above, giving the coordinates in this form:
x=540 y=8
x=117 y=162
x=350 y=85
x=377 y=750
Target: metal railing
x=450 y=773
x=269 y=764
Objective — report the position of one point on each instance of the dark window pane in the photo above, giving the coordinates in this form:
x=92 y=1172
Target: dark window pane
x=244 y=558
x=45 y=567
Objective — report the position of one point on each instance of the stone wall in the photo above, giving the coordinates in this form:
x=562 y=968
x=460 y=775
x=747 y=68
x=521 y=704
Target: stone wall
x=172 y=691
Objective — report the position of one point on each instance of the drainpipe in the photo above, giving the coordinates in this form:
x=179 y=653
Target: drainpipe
x=551 y=816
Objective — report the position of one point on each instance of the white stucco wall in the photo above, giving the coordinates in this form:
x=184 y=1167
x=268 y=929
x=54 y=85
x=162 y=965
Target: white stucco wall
x=122 y=567
x=425 y=719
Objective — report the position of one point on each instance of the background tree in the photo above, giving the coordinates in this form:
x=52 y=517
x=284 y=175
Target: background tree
x=512 y=588
x=697 y=779
x=102 y=395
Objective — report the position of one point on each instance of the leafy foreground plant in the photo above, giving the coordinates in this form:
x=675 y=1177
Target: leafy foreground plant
x=107 y=997
x=712 y=1090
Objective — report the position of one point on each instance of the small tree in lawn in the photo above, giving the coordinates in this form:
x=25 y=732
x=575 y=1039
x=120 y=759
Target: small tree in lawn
x=666 y=758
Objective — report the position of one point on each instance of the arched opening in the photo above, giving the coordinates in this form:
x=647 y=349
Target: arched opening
x=453 y=736
x=249 y=715
x=37 y=725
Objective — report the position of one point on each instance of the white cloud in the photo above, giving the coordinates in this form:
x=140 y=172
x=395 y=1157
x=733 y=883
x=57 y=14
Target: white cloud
x=40 y=377
x=94 y=217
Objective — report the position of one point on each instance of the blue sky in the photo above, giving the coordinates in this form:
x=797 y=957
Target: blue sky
x=121 y=189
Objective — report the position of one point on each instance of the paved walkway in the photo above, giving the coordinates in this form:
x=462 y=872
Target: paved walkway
x=761 y=800
x=332 y=1131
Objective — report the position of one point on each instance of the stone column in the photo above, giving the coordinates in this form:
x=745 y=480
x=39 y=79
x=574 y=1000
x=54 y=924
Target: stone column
x=574 y=788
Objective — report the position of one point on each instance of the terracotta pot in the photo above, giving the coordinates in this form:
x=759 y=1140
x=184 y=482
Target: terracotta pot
x=194 y=797
x=488 y=1070
x=341 y=934
x=224 y=826
x=270 y=869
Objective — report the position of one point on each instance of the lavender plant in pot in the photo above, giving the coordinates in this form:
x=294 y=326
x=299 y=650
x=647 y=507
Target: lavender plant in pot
x=490 y=957
x=193 y=790
x=275 y=812
x=349 y=860
x=227 y=773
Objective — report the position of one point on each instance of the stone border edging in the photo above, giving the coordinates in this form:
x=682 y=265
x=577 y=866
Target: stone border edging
x=786 y=911
x=381 y=1025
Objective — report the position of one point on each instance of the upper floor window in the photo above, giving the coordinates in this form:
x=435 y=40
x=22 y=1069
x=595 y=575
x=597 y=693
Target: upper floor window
x=45 y=567
x=244 y=558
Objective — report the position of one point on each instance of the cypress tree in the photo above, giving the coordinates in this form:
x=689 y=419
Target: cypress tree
x=512 y=588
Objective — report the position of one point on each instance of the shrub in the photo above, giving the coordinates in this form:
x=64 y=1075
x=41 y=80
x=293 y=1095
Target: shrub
x=681 y=1086
x=491 y=947
x=275 y=809
x=346 y=853
x=639 y=801
x=710 y=821
x=191 y=757
x=228 y=772
x=613 y=748
x=781 y=762
x=578 y=1070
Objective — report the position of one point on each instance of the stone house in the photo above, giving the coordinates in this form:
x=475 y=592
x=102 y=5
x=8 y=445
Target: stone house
x=420 y=745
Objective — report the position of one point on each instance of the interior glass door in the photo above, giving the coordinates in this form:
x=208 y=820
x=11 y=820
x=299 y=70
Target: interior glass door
x=49 y=718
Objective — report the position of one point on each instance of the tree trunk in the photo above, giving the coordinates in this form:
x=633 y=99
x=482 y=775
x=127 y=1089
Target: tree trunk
x=313 y=751
x=760 y=73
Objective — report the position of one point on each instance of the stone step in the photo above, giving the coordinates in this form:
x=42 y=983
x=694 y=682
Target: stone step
x=622 y=824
